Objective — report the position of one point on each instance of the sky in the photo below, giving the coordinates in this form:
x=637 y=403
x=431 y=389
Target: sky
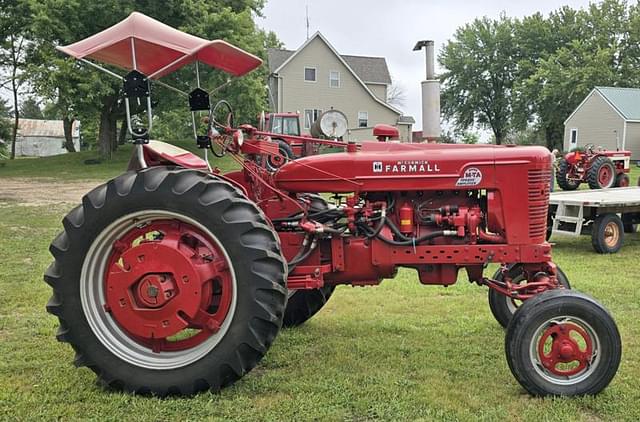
x=390 y=29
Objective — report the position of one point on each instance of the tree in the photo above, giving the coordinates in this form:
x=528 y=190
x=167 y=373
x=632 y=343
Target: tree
x=480 y=74
x=396 y=94
x=5 y=124
x=565 y=56
x=14 y=26
x=30 y=109
x=85 y=91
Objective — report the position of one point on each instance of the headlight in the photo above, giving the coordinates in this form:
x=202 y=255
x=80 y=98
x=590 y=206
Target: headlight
x=238 y=138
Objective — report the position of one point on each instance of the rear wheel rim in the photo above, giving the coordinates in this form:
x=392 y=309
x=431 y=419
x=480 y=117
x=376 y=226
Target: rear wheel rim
x=611 y=234
x=605 y=176
x=565 y=350
x=216 y=293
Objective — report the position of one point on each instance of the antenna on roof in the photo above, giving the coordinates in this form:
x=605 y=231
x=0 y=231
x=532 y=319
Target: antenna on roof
x=307 y=11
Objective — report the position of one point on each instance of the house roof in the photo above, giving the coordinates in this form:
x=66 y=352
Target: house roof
x=626 y=101
x=369 y=69
x=43 y=128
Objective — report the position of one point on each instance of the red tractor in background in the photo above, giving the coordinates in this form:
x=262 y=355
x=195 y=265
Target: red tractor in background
x=284 y=129
x=600 y=168
x=174 y=278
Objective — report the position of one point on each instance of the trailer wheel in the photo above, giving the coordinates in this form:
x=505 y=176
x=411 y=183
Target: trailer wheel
x=303 y=304
x=503 y=307
x=601 y=174
x=274 y=162
x=167 y=281
x=629 y=225
x=622 y=181
x=563 y=343
x=562 y=176
x=607 y=234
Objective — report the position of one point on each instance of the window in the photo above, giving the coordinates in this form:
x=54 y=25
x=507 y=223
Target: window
x=310 y=74
x=363 y=119
x=573 y=138
x=334 y=79
x=310 y=117
x=291 y=126
x=276 y=126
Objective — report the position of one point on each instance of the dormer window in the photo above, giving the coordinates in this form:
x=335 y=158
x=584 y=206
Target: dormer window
x=310 y=74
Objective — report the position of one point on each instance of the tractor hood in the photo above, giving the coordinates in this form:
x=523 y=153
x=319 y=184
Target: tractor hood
x=380 y=166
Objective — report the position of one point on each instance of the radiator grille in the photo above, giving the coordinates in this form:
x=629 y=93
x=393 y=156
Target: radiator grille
x=539 y=185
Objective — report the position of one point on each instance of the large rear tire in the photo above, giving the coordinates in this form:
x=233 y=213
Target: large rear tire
x=183 y=252
x=601 y=174
x=503 y=307
x=562 y=176
x=303 y=304
x=563 y=343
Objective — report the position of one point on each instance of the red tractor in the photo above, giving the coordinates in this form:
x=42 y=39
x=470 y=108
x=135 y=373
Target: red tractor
x=172 y=278
x=284 y=129
x=599 y=168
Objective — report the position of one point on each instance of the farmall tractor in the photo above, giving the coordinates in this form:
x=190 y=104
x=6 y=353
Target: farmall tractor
x=173 y=278
x=599 y=168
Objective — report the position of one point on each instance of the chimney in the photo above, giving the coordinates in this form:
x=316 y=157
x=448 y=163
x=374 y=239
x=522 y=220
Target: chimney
x=430 y=94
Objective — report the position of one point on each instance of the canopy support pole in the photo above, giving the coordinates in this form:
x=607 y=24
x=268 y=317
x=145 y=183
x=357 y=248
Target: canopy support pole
x=97 y=66
x=133 y=54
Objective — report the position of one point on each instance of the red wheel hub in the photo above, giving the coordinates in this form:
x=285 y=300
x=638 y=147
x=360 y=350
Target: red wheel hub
x=154 y=290
x=565 y=349
x=165 y=278
x=605 y=175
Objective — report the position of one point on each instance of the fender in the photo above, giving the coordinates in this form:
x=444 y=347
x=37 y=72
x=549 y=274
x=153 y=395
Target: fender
x=158 y=153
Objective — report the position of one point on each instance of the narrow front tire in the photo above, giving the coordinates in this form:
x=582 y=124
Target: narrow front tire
x=563 y=343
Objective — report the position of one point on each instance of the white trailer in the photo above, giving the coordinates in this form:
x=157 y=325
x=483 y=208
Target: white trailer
x=606 y=214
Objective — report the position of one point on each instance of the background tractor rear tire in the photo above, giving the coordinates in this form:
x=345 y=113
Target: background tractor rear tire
x=247 y=252
x=303 y=304
x=601 y=174
x=503 y=307
x=286 y=155
x=561 y=176
x=563 y=343
x=607 y=234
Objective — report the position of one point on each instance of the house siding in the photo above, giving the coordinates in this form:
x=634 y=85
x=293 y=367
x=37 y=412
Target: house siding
x=378 y=90
x=632 y=142
x=350 y=98
x=596 y=121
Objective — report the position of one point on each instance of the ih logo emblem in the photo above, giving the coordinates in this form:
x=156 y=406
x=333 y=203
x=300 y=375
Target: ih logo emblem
x=377 y=166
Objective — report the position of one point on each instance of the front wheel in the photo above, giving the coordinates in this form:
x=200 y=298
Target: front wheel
x=167 y=281
x=303 y=304
x=503 y=307
x=563 y=343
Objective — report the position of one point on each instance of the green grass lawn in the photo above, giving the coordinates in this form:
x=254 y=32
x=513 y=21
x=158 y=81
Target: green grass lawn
x=394 y=352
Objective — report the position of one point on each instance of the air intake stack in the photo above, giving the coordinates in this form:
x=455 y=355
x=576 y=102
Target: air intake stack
x=430 y=95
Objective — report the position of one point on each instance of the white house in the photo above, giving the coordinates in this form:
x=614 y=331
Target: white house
x=315 y=78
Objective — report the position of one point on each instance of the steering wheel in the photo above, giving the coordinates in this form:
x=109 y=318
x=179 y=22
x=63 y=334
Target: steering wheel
x=216 y=129
x=589 y=147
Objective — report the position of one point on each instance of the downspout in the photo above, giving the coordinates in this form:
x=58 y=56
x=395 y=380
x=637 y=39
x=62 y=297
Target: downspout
x=624 y=136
